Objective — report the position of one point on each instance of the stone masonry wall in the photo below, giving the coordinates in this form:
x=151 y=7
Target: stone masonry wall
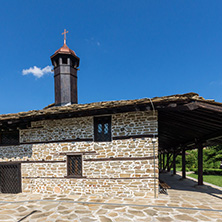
x=135 y=123
x=127 y=178
x=123 y=124
x=53 y=130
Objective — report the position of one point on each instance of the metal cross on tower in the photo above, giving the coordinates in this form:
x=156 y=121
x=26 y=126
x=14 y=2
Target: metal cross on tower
x=64 y=33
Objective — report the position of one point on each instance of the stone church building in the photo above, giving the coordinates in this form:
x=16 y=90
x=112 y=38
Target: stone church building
x=102 y=148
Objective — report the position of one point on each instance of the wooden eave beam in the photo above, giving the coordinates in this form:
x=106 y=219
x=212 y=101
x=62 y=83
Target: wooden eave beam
x=180 y=130
x=212 y=117
x=203 y=139
x=199 y=119
x=208 y=106
x=183 y=119
x=174 y=106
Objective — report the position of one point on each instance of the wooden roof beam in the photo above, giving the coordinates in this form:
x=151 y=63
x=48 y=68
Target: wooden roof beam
x=173 y=106
x=209 y=106
x=204 y=139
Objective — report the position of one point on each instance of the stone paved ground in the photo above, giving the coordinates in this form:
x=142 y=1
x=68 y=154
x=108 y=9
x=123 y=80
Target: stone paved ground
x=185 y=202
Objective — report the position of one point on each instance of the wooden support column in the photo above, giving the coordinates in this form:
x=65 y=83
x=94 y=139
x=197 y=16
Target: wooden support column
x=160 y=161
x=174 y=162
x=163 y=161
x=183 y=164
x=168 y=162
x=200 y=164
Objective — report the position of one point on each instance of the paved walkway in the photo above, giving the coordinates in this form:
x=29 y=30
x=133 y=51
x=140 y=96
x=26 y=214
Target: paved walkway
x=185 y=202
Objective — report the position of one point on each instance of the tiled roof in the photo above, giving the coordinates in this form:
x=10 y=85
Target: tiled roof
x=57 y=110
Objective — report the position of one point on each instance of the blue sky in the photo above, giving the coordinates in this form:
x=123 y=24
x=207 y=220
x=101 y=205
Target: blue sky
x=128 y=49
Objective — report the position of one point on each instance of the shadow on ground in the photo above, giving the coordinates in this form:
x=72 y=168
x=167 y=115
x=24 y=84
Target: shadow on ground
x=177 y=183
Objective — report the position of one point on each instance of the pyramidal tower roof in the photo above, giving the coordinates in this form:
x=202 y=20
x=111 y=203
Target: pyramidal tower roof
x=64 y=49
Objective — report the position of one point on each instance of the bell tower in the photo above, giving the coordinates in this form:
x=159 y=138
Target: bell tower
x=66 y=63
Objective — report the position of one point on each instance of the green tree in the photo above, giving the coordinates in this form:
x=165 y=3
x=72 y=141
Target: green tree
x=213 y=156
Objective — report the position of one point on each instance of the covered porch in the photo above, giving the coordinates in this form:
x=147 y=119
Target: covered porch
x=194 y=123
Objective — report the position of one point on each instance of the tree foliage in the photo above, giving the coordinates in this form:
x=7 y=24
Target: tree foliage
x=212 y=158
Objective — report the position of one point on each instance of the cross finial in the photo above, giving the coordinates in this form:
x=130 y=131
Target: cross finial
x=64 y=33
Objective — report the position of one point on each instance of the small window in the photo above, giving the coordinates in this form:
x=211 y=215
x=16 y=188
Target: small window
x=64 y=61
x=9 y=138
x=102 y=128
x=74 y=165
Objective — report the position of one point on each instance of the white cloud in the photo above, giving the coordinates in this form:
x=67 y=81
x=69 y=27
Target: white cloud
x=216 y=83
x=36 y=71
x=93 y=41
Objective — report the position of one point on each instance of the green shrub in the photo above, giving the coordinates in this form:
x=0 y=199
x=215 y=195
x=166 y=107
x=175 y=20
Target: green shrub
x=193 y=169
x=212 y=157
x=211 y=172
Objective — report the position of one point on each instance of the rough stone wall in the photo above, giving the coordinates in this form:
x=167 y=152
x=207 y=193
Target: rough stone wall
x=101 y=176
x=135 y=123
x=123 y=124
x=93 y=169
x=54 y=130
x=129 y=178
x=132 y=188
x=16 y=153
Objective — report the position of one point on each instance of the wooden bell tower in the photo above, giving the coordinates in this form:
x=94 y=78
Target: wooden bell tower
x=66 y=65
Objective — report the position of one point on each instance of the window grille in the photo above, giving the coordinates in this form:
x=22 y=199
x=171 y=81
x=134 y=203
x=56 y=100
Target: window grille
x=74 y=165
x=10 y=178
x=9 y=138
x=102 y=128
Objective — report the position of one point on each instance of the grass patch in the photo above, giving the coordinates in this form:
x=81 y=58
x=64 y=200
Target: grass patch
x=214 y=179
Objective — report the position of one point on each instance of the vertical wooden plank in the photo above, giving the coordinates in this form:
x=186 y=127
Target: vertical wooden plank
x=168 y=162
x=200 y=164
x=174 y=162
x=163 y=161
x=183 y=164
x=160 y=161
